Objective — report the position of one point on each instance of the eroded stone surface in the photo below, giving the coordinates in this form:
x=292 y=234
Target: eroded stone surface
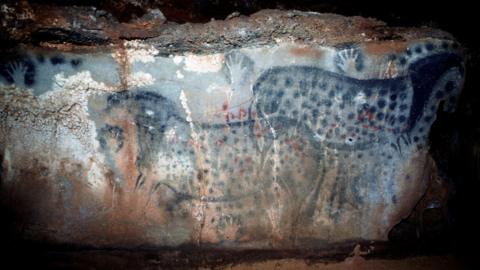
x=283 y=145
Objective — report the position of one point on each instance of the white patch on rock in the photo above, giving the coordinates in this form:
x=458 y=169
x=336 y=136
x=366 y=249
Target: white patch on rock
x=80 y=81
x=219 y=88
x=149 y=112
x=140 y=52
x=188 y=112
x=140 y=78
x=177 y=59
x=179 y=74
x=204 y=63
x=360 y=98
x=170 y=134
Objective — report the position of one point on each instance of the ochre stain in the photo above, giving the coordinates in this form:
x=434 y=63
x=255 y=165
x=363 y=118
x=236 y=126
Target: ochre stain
x=385 y=47
x=306 y=52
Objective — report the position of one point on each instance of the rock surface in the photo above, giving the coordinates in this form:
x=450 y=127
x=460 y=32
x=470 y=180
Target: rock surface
x=281 y=130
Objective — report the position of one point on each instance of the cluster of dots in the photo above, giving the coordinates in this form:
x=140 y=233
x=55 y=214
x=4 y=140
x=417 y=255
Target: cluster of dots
x=343 y=111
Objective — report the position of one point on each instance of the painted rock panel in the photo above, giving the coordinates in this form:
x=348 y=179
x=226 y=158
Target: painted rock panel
x=275 y=146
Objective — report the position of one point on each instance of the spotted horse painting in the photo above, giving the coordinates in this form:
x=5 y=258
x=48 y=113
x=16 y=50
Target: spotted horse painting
x=280 y=146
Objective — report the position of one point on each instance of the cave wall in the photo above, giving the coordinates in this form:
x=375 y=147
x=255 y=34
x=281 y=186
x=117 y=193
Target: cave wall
x=238 y=134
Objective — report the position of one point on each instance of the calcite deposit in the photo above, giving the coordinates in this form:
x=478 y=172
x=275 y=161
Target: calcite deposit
x=276 y=131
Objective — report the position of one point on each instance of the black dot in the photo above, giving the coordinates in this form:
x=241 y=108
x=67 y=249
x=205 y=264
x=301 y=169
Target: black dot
x=288 y=82
x=449 y=86
x=393 y=97
x=280 y=93
x=303 y=84
x=40 y=58
x=383 y=92
x=322 y=86
x=418 y=49
x=350 y=116
x=272 y=106
x=381 y=103
x=273 y=81
x=439 y=94
x=347 y=97
x=430 y=47
x=402 y=118
x=392 y=105
x=75 y=62
x=368 y=92
x=403 y=107
x=380 y=116
x=56 y=60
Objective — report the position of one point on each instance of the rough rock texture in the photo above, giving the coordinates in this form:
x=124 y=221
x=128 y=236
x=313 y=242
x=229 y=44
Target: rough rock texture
x=282 y=130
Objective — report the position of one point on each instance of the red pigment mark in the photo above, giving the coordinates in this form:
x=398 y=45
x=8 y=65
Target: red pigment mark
x=228 y=106
x=242 y=113
x=258 y=131
x=194 y=143
x=365 y=114
x=361 y=116
x=225 y=110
